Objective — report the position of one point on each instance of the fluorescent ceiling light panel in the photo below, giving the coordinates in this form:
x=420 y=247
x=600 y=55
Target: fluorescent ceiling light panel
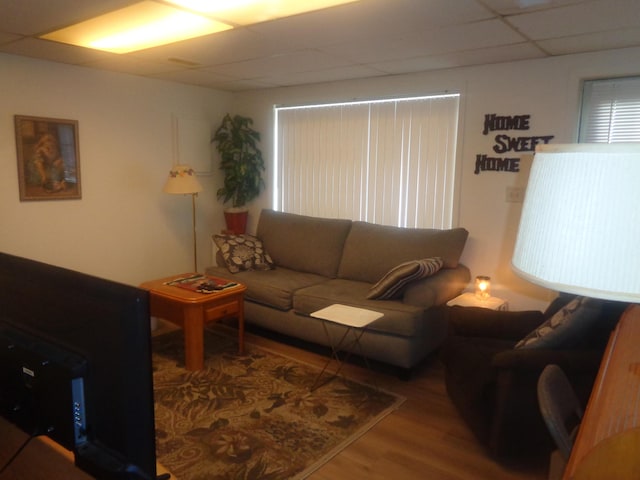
x=142 y=25
x=246 y=12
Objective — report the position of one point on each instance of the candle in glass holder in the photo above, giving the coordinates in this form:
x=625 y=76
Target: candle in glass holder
x=483 y=287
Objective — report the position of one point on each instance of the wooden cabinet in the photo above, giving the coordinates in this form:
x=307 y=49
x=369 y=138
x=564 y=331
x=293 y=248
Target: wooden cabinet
x=608 y=442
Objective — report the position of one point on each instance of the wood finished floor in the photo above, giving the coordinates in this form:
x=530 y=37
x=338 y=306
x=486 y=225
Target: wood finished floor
x=424 y=439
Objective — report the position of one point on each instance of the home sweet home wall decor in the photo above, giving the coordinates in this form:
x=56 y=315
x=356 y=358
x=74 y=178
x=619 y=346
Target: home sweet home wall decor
x=507 y=144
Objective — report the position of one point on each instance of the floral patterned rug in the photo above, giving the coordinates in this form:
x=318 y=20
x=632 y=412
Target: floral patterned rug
x=253 y=416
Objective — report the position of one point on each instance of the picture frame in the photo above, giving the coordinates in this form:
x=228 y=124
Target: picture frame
x=48 y=158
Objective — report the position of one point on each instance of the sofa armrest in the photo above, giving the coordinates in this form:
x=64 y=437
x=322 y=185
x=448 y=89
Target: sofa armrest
x=437 y=289
x=483 y=322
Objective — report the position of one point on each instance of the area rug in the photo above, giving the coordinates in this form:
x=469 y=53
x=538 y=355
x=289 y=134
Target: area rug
x=253 y=416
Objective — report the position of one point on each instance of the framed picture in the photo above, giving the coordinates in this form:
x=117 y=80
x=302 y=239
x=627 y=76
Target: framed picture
x=48 y=159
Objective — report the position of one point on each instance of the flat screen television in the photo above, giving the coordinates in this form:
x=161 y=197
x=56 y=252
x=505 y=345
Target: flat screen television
x=75 y=365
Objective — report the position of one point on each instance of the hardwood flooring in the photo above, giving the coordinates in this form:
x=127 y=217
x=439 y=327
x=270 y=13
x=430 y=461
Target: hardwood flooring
x=424 y=439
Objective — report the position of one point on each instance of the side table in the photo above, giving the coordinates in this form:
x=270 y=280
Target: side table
x=192 y=310
x=355 y=320
x=469 y=299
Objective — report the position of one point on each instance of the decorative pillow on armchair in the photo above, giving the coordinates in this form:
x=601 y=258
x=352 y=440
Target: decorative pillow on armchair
x=396 y=279
x=566 y=327
x=243 y=252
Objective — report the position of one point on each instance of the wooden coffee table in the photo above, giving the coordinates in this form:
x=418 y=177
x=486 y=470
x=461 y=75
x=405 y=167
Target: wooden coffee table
x=192 y=311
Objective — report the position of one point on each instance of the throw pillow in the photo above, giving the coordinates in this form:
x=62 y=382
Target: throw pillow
x=565 y=327
x=243 y=252
x=396 y=279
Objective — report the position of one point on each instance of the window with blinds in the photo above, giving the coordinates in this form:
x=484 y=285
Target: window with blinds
x=610 y=111
x=390 y=162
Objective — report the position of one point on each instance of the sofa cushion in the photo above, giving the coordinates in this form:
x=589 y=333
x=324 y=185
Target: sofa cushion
x=273 y=288
x=566 y=327
x=372 y=250
x=302 y=243
x=399 y=318
x=243 y=252
x=392 y=284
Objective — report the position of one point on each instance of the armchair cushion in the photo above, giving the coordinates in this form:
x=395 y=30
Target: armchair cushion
x=565 y=328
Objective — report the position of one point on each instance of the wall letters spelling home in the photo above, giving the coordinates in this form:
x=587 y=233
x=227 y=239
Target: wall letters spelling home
x=506 y=143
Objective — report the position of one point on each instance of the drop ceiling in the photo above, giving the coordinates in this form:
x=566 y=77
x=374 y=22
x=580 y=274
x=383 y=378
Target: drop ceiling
x=368 y=38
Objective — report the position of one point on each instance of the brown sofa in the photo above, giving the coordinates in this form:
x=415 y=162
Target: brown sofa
x=494 y=385
x=320 y=261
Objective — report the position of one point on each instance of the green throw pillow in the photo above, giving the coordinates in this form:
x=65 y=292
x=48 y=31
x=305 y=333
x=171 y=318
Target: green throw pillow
x=396 y=279
x=566 y=327
x=243 y=252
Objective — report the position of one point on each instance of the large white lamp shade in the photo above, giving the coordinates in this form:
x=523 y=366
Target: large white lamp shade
x=580 y=226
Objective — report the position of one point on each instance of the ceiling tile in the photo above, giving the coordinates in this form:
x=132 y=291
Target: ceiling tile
x=323 y=75
x=243 y=85
x=6 y=37
x=224 y=47
x=30 y=17
x=578 y=19
x=300 y=61
x=458 y=59
x=470 y=36
x=53 y=51
x=513 y=7
x=133 y=66
x=369 y=19
x=193 y=76
x=362 y=39
x=592 y=42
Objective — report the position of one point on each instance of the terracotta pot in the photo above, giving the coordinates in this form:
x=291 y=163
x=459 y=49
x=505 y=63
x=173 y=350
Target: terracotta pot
x=236 y=221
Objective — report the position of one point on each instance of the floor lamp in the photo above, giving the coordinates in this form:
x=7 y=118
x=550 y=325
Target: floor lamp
x=579 y=233
x=182 y=181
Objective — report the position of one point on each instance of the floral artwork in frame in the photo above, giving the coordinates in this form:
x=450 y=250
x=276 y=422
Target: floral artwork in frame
x=48 y=158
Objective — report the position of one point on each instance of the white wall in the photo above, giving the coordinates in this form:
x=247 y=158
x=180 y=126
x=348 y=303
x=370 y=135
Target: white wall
x=124 y=227
x=546 y=89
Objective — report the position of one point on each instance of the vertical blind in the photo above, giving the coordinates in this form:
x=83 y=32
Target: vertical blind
x=388 y=162
x=610 y=111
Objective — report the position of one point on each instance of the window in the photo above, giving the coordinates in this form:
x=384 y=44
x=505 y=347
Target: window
x=390 y=162
x=610 y=111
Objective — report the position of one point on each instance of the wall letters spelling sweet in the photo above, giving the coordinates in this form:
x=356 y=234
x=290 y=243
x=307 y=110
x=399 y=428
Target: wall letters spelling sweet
x=507 y=143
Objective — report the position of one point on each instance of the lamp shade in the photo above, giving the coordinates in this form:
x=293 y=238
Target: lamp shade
x=580 y=226
x=182 y=180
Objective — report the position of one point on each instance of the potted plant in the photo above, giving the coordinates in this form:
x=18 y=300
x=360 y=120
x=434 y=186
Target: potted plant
x=242 y=164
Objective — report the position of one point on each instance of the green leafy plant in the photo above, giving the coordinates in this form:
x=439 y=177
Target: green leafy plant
x=241 y=160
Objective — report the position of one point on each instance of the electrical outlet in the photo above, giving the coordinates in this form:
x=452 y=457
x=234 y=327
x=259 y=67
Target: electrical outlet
x=515 y=195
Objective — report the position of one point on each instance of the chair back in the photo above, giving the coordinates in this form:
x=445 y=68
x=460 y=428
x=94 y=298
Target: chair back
x=560 y=407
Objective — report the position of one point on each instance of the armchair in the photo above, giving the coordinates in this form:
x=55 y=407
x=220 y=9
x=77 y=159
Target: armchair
x=494 y=385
